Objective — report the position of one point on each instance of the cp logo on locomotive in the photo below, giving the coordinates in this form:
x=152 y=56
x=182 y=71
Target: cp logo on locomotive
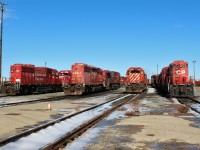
x=180 y=71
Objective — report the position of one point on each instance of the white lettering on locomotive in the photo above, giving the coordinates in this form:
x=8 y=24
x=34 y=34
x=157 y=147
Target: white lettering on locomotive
x=39 y=74
x=77 y=73
x=39 y=79
x=183 y=71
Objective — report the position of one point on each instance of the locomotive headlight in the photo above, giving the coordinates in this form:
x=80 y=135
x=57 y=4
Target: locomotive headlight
x=17 y=80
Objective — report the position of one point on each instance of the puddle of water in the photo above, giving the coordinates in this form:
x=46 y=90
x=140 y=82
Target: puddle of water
x=181 y=114
x=23 y=128
x=55 y=116
x=195 y=120
x=83 y=107
x=145 y=101
x=13 y=114
x=121 y=139
x=32 y=126
x=150 y=134
x=156 y=113
x=172 y=145
x=128 y=129
x=67 y=110
x=77 y=102
x=33 y=109
x=91 y=104
x=147 y=109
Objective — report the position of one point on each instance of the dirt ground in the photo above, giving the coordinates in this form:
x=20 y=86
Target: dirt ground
x=197 y=91
x=153 y=122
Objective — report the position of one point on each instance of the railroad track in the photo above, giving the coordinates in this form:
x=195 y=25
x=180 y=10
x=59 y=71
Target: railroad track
x=51 y=99
x=191 y=103
x=32 y=101
x=58 y=133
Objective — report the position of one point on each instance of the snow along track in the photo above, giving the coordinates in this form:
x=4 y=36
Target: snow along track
x=191 y=103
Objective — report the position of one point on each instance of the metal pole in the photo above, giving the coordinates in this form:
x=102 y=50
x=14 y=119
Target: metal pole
x=2 y=11
x=45 y=64
x=194 y=70
x=157 y=69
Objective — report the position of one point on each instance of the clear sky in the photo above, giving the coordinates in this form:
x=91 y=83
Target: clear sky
x=110 y=34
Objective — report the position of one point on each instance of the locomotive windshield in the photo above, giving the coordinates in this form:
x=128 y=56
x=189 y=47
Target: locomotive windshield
x=135 y=71
x=180 y=66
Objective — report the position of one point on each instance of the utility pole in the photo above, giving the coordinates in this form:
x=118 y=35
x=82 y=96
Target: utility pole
x=2 y=4
x=45 y=64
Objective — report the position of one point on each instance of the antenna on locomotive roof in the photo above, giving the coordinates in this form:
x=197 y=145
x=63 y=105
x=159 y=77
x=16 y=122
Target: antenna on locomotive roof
x=2 y=4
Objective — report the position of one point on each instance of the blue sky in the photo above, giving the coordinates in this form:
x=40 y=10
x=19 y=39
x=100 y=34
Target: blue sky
x=110 y=34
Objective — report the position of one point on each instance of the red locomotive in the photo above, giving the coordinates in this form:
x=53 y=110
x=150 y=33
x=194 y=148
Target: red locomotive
x=154 y=80
x=162 y=79
x=136 y=80
x=111 y=79
x=65 y=76
x=197 y=83
x=84 y=79
x=174 y=80
x=122 y=81
x=26 y=79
